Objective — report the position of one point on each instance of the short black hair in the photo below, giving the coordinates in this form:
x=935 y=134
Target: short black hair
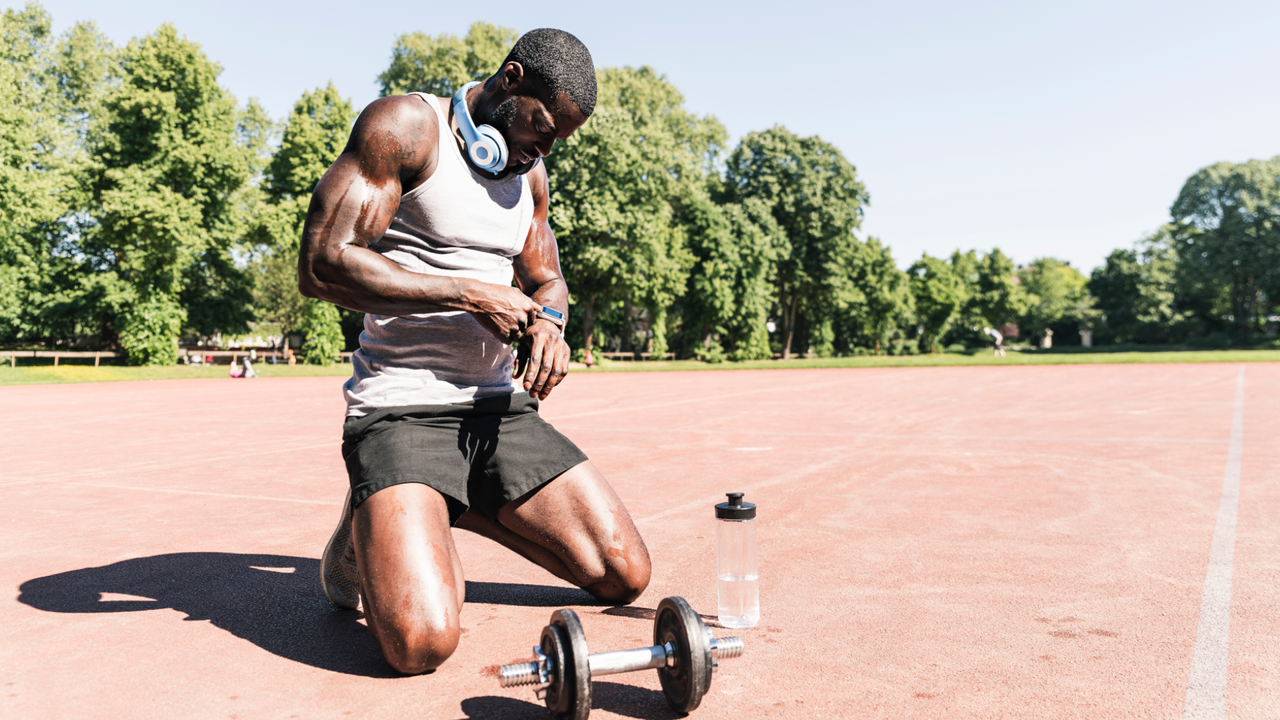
x=560 y=62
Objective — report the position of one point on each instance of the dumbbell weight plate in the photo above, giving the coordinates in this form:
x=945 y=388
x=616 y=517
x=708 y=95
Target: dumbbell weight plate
x=565 y=644
x=687 y=680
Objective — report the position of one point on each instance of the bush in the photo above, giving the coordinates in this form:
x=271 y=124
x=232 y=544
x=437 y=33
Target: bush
x=956 y=348
x=712 y=353
x=151 y=329
x=323 y=327
x=1214 y=340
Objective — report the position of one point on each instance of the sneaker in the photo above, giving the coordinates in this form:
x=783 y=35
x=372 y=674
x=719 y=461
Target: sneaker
x=338 y=574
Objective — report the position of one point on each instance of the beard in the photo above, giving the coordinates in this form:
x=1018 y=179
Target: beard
x=501 y=119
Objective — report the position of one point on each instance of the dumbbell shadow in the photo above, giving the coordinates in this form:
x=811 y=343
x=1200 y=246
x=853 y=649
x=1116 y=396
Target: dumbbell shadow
x=621 y=699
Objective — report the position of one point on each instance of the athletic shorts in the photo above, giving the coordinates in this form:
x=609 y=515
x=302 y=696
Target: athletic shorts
x=483 y=453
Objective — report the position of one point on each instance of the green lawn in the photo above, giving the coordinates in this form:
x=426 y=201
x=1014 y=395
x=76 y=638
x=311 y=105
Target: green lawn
x=79 y=372
x=948 y=359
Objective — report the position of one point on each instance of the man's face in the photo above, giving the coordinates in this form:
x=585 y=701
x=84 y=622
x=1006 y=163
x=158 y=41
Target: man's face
x=530 y=125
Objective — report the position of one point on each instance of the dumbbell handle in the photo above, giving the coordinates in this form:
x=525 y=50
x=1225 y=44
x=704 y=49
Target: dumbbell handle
x=617 y=661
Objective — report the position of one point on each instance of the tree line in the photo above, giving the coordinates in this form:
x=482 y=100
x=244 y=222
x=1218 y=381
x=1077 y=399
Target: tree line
x=140 y=203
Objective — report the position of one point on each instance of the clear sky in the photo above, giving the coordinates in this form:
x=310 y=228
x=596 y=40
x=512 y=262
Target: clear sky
x=1063 y=129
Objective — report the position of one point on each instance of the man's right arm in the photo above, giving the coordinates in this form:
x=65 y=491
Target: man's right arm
x=393 y=143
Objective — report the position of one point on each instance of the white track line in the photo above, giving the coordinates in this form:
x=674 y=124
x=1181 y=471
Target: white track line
x=334 y=503
x=1207 y=690
x=187 y=462
x=884 y=436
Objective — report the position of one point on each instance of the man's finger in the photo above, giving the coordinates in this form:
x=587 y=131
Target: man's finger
x=545 y=371
x=557 y=365
x=522 y=359
x=535 y=361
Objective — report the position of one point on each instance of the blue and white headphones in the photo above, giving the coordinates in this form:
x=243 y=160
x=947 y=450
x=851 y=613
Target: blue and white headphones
x=485 y=145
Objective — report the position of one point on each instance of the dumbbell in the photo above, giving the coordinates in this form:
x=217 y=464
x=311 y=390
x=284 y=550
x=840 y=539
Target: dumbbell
x=684 y=653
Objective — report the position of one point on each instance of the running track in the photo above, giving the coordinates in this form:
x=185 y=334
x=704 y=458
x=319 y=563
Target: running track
x=1029 y=542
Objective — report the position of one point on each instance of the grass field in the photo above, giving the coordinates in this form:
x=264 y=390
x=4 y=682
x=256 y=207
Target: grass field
x=72 y=373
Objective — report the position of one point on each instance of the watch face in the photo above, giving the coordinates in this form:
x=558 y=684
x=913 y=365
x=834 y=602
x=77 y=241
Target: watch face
x=555 y=314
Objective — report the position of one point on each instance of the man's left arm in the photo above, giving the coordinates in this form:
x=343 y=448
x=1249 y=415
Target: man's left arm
x=543 y=358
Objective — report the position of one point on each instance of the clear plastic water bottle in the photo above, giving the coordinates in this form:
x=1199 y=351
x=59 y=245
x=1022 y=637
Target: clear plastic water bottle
x=736 y=570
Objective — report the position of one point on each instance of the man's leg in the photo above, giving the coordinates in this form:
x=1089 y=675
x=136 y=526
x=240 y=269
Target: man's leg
x=410 y=575
x=576 y=527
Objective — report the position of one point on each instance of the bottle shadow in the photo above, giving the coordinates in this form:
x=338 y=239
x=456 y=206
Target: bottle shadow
x=272 y=601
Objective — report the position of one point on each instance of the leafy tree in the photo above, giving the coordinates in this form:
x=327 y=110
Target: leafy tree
x=817 y=201
x=728 y=297
x=614 y=184
x=871 y=298
x=1054 y=291
x=314 y=136
x=1135 y=291
x=50 y=87
x=939 y=292
x=995 y=297
x=169 y=167
x=440 y=65
x=1226 y=230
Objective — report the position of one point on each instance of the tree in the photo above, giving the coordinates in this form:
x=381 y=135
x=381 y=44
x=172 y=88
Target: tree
x=314 y=136
x=50 y=88
x=1226 y=230
x=1135 y=291
x=870 y=297
x=614 y=185
x=996 y=296
x=168 y=168
x=939 y=292
x=1054 y=291
x=728 y=297
x=817 y=201
x=440 y=65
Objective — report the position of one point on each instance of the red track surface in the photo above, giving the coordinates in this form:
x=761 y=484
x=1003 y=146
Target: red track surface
x=1026 y=542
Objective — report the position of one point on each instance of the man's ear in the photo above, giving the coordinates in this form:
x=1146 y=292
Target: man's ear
x=511 y=77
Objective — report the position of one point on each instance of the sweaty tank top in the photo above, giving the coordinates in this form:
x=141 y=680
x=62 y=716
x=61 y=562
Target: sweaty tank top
x=458 y=223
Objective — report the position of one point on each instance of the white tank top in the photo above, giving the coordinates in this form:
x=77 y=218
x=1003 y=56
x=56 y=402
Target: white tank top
x=458 y=223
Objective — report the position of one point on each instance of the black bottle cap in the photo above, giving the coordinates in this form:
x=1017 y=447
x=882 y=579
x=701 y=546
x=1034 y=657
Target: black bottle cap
x=735 y=509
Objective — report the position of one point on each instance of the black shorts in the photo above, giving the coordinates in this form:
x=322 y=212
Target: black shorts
x=485 y=453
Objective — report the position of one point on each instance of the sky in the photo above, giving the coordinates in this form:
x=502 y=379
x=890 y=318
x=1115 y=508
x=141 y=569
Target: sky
x=1044 y=129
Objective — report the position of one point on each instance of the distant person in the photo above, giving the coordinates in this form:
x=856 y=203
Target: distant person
x=995 y=335
x=422 y=223
x=248 y=369
x=235 y=370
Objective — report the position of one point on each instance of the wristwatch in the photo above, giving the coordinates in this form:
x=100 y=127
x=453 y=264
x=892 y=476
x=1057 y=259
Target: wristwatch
x=551 y=315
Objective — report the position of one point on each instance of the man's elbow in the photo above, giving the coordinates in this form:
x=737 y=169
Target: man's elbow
x=309 y=285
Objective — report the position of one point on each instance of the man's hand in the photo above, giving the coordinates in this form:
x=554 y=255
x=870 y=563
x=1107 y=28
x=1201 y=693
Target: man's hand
x=543 y=359
x=502 y=310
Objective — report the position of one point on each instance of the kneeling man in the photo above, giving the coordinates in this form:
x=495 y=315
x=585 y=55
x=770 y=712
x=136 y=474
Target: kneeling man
x=442 y=425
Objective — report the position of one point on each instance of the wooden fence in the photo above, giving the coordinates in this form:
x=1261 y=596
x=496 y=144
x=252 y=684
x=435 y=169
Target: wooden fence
x=218 y=357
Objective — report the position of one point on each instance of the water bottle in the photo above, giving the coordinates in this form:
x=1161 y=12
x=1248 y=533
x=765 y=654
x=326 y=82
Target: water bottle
x=739 y=578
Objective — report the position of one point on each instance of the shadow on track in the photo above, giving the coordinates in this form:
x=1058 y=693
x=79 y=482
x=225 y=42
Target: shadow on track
x=273 y=601
x=626 y=700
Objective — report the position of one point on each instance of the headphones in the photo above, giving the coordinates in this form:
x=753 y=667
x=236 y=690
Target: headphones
x=485 y=145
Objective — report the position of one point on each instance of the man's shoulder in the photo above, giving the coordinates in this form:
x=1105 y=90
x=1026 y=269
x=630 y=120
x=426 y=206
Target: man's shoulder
x=401 y=128
x=399 y=113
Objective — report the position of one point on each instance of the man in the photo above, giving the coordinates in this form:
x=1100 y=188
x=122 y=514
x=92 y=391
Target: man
x=404 y=227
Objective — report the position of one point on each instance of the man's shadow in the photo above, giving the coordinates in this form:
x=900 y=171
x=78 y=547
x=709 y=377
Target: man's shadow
x=273 y=601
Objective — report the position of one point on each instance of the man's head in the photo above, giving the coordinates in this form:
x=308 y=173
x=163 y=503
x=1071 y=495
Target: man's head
x=544 y=91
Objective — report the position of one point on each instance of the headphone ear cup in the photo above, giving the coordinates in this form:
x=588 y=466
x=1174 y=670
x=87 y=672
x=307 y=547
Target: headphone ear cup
x=498 y=148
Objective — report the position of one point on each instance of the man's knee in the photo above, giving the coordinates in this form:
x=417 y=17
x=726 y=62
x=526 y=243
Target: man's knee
x=623 y=575
x=415 y=646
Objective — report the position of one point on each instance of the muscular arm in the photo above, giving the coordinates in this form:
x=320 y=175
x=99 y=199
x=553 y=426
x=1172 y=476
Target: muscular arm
x=544 y=356
x=393 y=147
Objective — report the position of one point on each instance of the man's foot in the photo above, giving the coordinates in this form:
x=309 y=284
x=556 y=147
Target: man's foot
x=338 y=574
